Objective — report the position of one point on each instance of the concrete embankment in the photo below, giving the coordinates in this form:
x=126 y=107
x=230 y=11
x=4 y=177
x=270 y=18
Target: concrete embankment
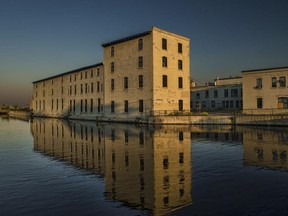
x=20 y=114
x=212 y=119
x=261 y=120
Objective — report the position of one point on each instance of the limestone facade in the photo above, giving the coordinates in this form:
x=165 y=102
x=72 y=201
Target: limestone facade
x=141 y=75
x=265 y=91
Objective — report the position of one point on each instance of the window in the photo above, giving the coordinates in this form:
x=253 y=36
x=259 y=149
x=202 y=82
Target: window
x=203 y=104
x=85 y=105
x=180 y=105
x=81 y=106
x=81 y=89
x=226 y=93
x=140 y=79
x=215 y=94
x=86 y=87
x=92 y=87
x=164 y=43
x=231 y=104
x=140 y=44
x=164 y=81
x=213 y=104
x=98 y=86
x=282 y=81
x=197 y=95
x=274 y=82
x=112 y=84
x=112 y=51
x=141 y=106
x=140 y=61
x=112 y=67
x=179 y=47
x=259 y=103
x=75 y=89
x=206 y=94
x=180 y=65
x=258 y=83
x=112 y=106
x=91 y=105
x=180 y=82
x=99 y=105
x=91 y=73
x=98 y=71
x=234 y=92
x=125 y=82
x=283 y=103
x=164 y=61
x=126 y=106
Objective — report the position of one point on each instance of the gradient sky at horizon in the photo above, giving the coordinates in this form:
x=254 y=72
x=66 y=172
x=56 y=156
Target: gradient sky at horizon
x=42 y=38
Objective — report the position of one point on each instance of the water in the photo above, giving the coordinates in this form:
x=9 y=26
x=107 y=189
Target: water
x=55 y=167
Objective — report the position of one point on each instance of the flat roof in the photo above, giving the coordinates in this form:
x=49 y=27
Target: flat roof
x=69 y=72
x=264 y=69
x=131 y=37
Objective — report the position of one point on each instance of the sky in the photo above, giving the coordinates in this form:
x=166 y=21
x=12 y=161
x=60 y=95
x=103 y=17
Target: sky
x=42 y=38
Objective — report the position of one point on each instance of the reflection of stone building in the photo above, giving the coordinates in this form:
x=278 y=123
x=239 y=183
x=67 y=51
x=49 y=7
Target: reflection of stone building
x=145 y=168
x=265 y=148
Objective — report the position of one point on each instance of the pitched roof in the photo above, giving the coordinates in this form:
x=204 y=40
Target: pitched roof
x=69 y=72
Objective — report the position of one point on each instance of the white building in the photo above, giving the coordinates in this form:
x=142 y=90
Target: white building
x=223 y=94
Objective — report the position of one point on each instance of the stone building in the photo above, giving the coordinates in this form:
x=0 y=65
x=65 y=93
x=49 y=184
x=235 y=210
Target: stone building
x=265 y=91
x=223 y=94
x=77 y=93
x=141 y=75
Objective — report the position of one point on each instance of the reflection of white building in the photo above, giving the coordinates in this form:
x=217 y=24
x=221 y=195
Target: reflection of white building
x=223 y=94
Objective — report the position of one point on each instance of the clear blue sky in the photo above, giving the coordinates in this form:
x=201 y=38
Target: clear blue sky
x=41 y=38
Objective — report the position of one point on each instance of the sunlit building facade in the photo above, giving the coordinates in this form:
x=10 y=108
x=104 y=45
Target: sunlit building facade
x=265 y=91
x=141 y=75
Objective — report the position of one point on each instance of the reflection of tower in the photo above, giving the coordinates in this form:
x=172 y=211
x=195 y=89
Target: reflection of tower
x=151 y=169
x=143 y=167
x=265 y=148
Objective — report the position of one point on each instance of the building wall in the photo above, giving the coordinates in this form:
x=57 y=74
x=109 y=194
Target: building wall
x=268 y=94
x=166 y=98
x=55 y=97
x=58 y=92
x=125 y=59
x=203 y=98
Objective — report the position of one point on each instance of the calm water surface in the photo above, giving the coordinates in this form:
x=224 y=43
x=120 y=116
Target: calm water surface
x=55 y=167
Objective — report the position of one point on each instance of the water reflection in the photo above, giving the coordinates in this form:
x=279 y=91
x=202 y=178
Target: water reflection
x=147 y=168
x=265 y=148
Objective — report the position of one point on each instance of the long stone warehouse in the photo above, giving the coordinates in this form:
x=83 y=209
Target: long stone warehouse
x=142 y=75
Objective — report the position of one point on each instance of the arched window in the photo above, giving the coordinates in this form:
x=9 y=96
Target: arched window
x=283 y=102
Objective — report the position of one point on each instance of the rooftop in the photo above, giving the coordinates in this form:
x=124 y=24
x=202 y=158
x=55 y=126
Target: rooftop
x=131 y=37
x=69 y=72
x=264 y=69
